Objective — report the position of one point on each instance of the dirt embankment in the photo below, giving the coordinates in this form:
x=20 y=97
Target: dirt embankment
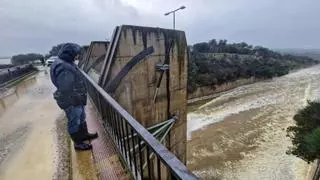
x=207 y=92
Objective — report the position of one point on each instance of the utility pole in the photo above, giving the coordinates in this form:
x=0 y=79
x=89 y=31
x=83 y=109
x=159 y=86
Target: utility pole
x=174 y=15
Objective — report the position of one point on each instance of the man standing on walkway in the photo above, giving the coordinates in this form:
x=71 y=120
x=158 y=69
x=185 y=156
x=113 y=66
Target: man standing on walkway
x=71 y=94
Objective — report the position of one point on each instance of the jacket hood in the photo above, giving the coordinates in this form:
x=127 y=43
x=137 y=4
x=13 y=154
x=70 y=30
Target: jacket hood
x=69 y=51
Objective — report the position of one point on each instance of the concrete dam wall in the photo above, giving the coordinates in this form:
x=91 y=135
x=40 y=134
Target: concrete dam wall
x=145 y=70
x=93 y=58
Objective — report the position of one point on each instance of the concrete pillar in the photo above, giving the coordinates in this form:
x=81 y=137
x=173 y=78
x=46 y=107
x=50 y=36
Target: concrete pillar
x=137 y=89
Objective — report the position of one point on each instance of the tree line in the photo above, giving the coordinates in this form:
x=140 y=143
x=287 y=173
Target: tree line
x=20 y=59
x=222 y=46
x=218 y=62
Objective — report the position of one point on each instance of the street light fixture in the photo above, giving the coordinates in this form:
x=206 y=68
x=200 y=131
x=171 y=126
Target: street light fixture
x=174 y=15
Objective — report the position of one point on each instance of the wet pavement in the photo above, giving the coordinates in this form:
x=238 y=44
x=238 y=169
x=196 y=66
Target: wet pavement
x=242 y=133
x=28 y=134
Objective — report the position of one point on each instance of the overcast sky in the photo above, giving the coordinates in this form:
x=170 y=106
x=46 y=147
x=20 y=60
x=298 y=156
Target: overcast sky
x=37 y=25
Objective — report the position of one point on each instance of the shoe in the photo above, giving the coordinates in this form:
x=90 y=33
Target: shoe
x=82 y=146
x=78 y=144
x=85 y=134
x=89 y=136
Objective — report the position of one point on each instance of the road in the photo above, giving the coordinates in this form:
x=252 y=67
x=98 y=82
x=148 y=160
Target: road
x=29 y=140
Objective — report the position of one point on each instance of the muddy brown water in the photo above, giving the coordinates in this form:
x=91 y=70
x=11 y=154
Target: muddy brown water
x=242 y=133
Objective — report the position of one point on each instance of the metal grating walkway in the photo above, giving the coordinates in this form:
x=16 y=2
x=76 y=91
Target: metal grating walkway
x=105 y=156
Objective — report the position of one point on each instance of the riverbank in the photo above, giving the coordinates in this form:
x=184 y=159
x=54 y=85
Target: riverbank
x=209 y=92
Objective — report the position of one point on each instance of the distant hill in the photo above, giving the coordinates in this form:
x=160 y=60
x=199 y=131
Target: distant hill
x=217 y=62
x=5 y=57
x=312 y=53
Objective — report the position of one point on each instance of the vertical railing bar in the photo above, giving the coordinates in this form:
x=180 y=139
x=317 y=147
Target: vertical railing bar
x=104 y=109
x=148 y=163
x=107 y=114
x=134 y=153
x=115 y=127
x=99 y=103
x=105 y=104
x=123 y=137
x=140 y=156
x=109 y=119
x=102 y=112
x=128 y=141
x=158 y=168
x=104 y=118
x=118 y=130
x=94 y=97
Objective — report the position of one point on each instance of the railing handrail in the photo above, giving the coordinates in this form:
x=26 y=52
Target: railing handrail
x=178 y=169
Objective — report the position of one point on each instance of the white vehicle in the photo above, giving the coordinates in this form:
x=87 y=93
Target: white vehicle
x=51 y=60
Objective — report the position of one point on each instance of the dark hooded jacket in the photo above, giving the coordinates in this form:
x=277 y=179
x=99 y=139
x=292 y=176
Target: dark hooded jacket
x=71 y=89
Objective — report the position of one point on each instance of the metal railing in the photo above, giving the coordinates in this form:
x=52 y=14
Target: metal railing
x=11 y=74
x=143 y=154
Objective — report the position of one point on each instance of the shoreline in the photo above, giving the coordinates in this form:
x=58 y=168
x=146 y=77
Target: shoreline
x=232 y=85
x=214 y=93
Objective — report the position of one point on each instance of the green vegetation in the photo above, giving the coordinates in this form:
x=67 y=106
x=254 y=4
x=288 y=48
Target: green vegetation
x=55 y=50
x=30 y=57
x=215 y=63
x=21 y=59
x=305 y=135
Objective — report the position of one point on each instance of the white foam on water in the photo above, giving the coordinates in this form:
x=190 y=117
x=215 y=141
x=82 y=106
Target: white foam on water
x=278 y=99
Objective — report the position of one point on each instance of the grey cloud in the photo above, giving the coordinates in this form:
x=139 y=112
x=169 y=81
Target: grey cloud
x=37 y=25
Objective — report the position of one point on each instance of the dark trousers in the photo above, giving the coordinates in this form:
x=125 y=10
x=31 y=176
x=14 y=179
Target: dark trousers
x=76 y=116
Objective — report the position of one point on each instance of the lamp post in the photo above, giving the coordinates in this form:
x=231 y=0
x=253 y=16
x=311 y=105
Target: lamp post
x=174 y=15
